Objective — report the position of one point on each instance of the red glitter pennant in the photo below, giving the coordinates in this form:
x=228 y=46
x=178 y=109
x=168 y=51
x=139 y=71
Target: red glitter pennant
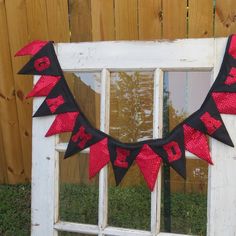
x=149 y=163
x=31 y=48
x=196 y=143
x=232 y=47
x=225 y=102
x=98 y=157
x=63 y=123
x=44 y=85
x=54 y=103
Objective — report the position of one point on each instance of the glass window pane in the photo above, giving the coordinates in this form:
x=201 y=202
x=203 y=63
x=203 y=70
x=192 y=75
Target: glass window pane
x=79 y=195
x=131 y=106
x=131 y=120
x=184 y=202
x=184 y=93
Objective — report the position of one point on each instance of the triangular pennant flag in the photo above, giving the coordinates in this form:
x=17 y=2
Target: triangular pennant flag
x=31 y=48
x=59 y=100
x=172 y=150
x=63 y=123
x=44 y=85
x=208 y=120
x=226 y=79
x=98 y=157
x=83 y=136
x=121 y=159
x=149 y=163
x=196 y=143
x=44 y=62
x=225 y=102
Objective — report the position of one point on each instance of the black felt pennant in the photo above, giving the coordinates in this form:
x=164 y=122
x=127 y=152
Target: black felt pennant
x=43 y=62
x=121 y=159
x=59 y=100
x=83 y=136
x=172 y=150
x=226 y=79
x=208 y=120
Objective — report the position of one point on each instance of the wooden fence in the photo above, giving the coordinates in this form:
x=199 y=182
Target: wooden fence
x=22 y=21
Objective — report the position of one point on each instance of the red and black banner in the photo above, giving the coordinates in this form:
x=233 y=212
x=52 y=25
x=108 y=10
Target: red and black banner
x=190 y=135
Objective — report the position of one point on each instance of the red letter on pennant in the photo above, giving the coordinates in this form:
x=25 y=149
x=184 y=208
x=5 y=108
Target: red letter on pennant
x=82 y=137
x=122 y=155
x=210 y=122
x=54 y=103
x=173 y=151
x=42 y=63
x=231 y=78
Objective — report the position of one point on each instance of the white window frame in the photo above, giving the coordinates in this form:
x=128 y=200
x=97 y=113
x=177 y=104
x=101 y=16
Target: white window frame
x=159 y=56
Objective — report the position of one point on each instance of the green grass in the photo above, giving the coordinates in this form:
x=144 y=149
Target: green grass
x=128 y=207
x=14 y=210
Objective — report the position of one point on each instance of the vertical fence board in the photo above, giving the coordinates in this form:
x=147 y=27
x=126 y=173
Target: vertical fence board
x=10 y=136
x=58 y=20
x=150 y=18
x=37 y=19
x=80 y=20
x=3 y=174
x=225 y=20
x=200 y=18
x=18 y=37
x=126 y=19
x=174 y=19
x=81 y=30
x=3 y=100
x=102 y=13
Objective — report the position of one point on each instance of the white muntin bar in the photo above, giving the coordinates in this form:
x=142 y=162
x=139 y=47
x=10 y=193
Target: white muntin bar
x=104 y=126
x=157 y=133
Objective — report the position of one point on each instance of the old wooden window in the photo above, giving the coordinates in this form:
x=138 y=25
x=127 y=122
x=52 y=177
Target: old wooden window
x=148 y=61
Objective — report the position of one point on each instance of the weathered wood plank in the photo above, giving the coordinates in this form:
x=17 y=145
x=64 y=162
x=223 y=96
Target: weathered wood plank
x=104 y=126
x=18 y=37
x=151 y=55
x=44 y=210
x=149 y=18
x=200 y=18
x=114 y=231
x=80 y=20
x=102 y=13
x=221 y=184
x=225 y=20
x=126 y=19
x=157 y=133
x=174 y=19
